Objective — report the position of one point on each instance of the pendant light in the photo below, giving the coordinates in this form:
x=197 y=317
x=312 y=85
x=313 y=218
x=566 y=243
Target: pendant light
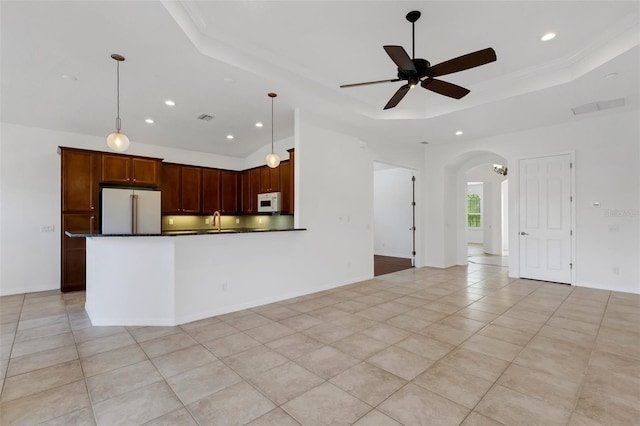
x=272 y=159
x=118 y=141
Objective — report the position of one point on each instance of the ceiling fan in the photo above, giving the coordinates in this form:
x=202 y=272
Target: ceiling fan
x=420 y=71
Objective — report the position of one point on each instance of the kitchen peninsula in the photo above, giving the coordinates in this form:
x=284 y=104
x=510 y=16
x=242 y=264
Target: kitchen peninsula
x=175 y=278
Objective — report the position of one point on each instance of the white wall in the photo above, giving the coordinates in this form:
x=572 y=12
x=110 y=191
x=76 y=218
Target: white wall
x=606 y=168
x=392 y=211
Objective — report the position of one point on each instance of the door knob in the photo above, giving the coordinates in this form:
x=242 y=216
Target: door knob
x=523 y=233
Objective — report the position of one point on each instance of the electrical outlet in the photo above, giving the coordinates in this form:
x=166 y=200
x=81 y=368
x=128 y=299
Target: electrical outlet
x=616 y=270
x=47 y=228
x=170 y=221
x=224 y=286
x=237 y=221
x=259 y=220
x=206 y=221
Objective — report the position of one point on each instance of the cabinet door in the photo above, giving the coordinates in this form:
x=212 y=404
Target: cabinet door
x=145 y=171
x=191 y=189
x=116 y=169
x=73 y=250
x=265 y=179
x=170 y=189
x=274 y=177
x=246 y=203
x=229 y=189
x=255 y=188
x=80 y=177
x=286 y=186
x=210 y=191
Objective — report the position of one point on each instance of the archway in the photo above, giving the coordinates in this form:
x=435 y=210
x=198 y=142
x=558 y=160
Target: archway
x=456 y=208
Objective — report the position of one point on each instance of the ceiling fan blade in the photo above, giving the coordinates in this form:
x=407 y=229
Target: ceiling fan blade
x=397 y=97
x=445 y=88
x=464 y=62
x=400 y=57
x=369 y=82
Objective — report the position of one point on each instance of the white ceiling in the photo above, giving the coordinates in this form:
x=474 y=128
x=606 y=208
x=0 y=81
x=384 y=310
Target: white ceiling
x=222 y=57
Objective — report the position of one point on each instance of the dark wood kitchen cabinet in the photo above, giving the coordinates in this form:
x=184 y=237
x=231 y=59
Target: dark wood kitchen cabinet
x=127 y=170
x=80 y=190
x=80 y=175
x=73 y=253
x=191 y=189
x=229 y=192
x=211 y=197
x=249 y=190
x=286 y=186
x=269 y=179
x=246 y=204
x=181 y=189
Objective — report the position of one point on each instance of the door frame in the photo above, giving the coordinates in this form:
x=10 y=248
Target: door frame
x=572 y=215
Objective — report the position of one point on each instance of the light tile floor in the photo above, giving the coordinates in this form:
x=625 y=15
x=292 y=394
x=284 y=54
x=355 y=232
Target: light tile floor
x=466 y=345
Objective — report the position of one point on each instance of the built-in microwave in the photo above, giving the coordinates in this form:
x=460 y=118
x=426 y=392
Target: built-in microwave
x=270 y=202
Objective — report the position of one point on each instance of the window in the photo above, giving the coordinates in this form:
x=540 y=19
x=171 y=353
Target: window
x=473 y=211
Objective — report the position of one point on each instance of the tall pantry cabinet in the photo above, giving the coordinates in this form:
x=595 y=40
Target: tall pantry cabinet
x=80 y=175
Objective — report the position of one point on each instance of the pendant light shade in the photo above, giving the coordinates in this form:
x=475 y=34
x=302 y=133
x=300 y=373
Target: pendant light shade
x=118 y=141
x=272 y=159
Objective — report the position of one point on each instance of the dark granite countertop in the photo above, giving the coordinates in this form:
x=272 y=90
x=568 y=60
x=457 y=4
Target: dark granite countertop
x=185 y=232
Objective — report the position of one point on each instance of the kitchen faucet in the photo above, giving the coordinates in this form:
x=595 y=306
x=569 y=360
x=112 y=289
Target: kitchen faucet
x=213 y=223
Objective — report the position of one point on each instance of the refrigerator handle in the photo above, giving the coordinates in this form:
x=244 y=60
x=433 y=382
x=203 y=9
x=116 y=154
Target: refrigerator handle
x=134 y=214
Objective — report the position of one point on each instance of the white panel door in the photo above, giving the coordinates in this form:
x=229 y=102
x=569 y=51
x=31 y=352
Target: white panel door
x=545 y=218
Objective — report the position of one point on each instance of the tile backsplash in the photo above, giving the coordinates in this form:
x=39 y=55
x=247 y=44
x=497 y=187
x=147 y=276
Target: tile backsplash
x=182 y=223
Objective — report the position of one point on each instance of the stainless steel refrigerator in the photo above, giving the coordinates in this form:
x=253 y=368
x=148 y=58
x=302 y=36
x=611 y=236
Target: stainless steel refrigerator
x=130 y=211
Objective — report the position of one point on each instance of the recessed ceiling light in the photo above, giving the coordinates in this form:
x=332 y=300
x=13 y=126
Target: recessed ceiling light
x=459 y=132
x=69 y=77
x=229 y=136
x=258 y=124
x=169 y=102
x=149 y=121
x=548 y=36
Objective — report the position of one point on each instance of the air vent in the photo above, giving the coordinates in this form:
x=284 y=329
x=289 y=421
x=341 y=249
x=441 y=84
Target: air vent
x=205 y=117
x=598 y=106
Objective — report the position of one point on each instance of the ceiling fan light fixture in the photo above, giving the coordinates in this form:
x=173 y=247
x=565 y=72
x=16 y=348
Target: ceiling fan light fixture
x=420 y=71
x=118 y=141
x=272 y=159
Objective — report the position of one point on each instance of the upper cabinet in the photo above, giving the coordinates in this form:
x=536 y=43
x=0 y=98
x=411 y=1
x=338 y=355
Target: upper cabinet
x=191 y=189
x=229 y=192
x=211 y=190
x=127 y=170
x=287 y=184
x=269 y=179
x=181 y=189
x=80 y=180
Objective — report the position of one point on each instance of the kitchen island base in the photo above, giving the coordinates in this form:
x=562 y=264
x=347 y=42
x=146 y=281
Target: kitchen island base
x=167 y=281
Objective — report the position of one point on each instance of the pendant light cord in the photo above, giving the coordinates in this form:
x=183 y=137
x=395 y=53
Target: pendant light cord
x=118 y=96
x=272 y=125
